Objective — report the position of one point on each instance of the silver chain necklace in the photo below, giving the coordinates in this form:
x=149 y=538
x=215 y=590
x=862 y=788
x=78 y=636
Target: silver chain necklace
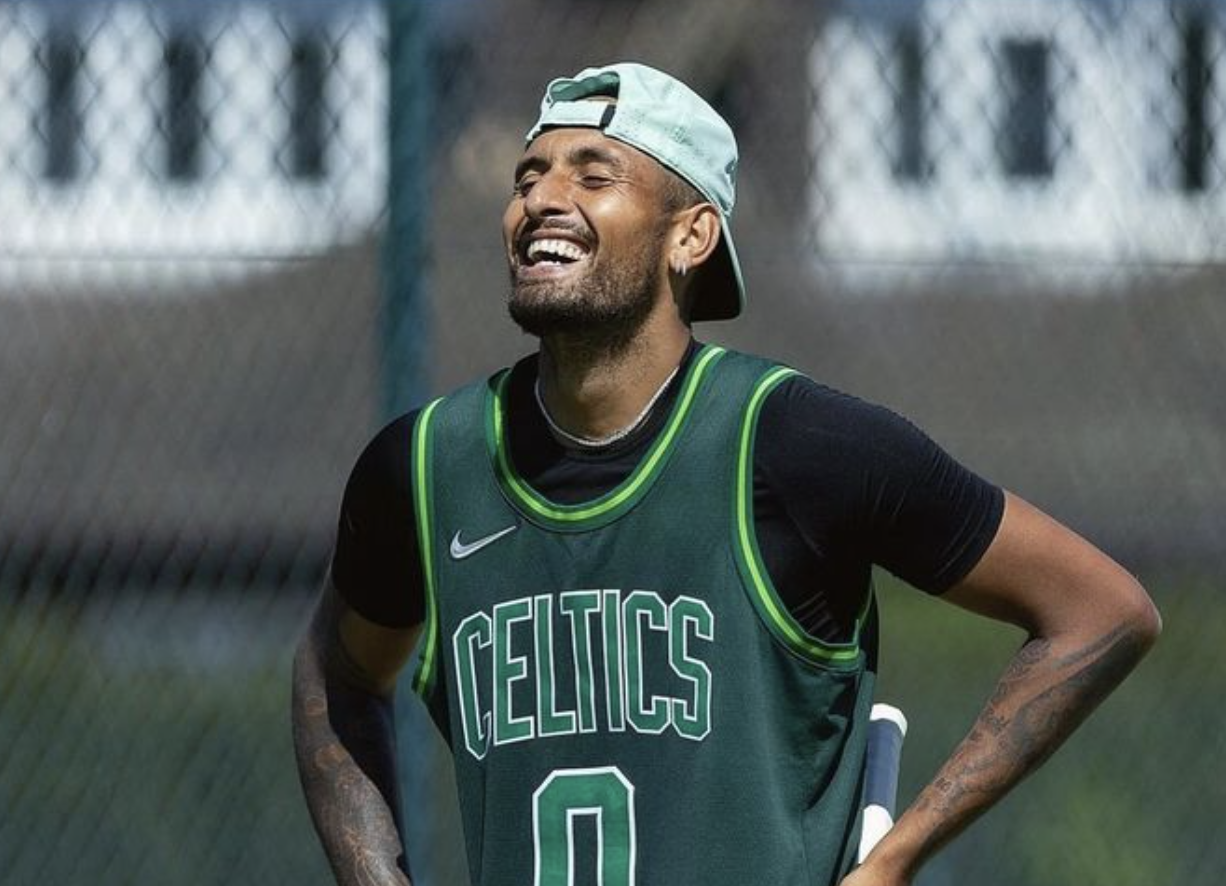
x=598 y=442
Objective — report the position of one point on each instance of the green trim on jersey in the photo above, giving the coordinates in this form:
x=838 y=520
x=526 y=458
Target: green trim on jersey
x=423 y=506
x=615 y=502
x=765 y=597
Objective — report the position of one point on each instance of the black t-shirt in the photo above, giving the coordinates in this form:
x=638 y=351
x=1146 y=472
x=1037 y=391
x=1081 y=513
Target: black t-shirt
x=839 y=485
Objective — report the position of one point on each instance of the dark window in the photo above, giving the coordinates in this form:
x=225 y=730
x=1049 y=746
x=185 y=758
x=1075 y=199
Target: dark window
x=183 y=122
x=60 y=125
x=308 y=112
x=1024 y=140
x=1195 y=140
x=910 y=161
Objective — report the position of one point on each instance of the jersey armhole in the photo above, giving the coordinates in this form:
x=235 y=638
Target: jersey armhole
x=761 y=590
x=421 y=471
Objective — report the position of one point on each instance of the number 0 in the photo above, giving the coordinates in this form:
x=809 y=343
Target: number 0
x=565 y=795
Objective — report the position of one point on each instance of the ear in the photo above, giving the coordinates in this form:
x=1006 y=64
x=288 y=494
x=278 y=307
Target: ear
x=694 y=236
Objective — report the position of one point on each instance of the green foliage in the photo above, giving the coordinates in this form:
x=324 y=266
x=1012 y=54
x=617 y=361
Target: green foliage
x=123 y=767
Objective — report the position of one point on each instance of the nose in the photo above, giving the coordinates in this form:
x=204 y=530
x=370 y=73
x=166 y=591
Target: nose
x=550 y=195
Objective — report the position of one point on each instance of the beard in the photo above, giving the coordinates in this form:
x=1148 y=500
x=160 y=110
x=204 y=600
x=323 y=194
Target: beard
x=605 y=305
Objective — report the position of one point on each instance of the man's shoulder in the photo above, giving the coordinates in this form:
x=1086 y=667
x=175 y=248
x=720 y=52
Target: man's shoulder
x=804 y=408
x=386 y=449
x=467 y=405
x=480 y=385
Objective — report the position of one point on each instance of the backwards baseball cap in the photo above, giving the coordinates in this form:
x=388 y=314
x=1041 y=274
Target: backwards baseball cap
x=668 y=121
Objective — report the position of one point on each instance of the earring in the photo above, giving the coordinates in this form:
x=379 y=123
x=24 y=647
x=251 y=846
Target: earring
x=681 y=267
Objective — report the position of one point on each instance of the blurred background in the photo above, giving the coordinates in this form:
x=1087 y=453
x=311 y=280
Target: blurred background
x=236 y=236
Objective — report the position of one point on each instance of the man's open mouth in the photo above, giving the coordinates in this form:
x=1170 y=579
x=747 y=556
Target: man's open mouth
x=553 y=252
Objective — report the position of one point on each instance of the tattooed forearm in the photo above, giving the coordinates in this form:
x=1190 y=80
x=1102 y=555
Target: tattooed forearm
x=1040 y=699
x=343 y=738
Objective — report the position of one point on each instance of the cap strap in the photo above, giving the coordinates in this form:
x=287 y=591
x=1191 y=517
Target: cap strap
x=580 y=113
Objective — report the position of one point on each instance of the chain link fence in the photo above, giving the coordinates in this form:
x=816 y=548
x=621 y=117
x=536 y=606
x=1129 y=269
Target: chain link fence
x=189 y=195
x=1001 y=218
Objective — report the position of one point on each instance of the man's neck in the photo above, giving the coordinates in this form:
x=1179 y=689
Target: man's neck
x=594 y=392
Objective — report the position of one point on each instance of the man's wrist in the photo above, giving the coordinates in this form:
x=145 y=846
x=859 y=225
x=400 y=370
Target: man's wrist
x=900 y=854
x=877 y=870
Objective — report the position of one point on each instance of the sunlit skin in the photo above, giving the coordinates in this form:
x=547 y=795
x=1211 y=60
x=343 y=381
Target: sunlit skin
x=590 y=191
x=611 y=321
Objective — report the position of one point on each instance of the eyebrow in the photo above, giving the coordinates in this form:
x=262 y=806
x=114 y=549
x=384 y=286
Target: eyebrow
x=580 y=155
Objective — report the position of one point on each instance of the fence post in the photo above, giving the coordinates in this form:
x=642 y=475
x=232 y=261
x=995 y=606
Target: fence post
x=426 y=782
x=404 y=317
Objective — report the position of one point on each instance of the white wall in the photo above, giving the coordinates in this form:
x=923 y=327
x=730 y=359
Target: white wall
x=123 y=220
x=1114 y=195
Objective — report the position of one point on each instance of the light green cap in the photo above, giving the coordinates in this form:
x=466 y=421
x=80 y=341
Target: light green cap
x=668 y=121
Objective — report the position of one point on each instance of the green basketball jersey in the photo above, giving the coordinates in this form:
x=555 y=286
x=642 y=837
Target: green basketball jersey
x=626 y=698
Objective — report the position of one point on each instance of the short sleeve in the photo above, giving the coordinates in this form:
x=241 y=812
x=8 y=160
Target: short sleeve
x=929 y=517
x=865 y=486
x=376 y=566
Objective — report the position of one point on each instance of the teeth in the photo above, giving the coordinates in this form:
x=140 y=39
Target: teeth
x=555 y=248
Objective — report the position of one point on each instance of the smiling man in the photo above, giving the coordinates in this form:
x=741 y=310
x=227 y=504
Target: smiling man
x=638 y=567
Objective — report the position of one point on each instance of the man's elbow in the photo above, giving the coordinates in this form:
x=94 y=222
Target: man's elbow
x=1136 y=617
x=1147 y=622
x=307 y=654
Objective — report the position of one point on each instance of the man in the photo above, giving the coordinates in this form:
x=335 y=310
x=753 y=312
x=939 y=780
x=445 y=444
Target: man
x=639 y=566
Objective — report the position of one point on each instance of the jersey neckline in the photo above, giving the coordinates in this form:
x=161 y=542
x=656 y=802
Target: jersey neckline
x=607 y=507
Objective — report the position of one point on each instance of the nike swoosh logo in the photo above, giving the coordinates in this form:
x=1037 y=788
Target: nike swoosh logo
x=459 y=550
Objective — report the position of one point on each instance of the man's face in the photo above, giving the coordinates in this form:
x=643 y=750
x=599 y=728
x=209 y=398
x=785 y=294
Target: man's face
x=584 y=233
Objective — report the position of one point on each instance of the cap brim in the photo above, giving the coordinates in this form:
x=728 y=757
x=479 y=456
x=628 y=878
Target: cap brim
x=719 y=289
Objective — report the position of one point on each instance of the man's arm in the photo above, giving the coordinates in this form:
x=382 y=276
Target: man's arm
x=344 y=673
x=1089 y=623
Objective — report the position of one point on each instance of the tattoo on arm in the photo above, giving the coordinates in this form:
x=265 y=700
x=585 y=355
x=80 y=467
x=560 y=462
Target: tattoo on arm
x=344 y=740
x=1040 y=699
